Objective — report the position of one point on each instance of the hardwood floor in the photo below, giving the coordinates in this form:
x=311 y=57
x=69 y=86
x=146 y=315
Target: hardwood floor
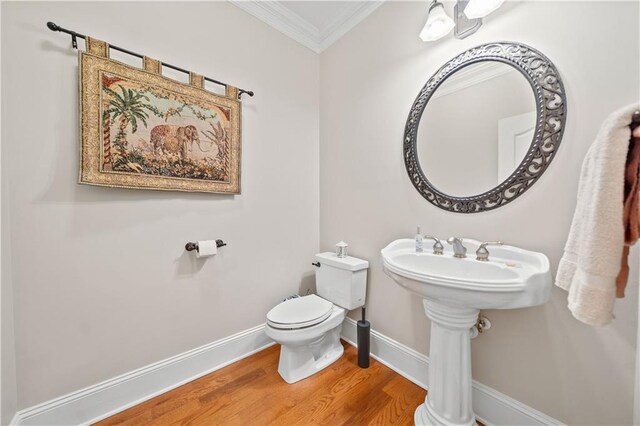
x=251 y=392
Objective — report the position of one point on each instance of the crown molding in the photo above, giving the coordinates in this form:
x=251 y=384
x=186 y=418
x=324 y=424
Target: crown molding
x=274 y=14
x=294 y=26
x=344 y=22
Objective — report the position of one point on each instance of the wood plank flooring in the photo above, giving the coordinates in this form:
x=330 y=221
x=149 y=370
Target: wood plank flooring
x=251 y=392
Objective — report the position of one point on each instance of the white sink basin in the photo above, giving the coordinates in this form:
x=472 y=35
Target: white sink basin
x=453 y=291
x=512 y=278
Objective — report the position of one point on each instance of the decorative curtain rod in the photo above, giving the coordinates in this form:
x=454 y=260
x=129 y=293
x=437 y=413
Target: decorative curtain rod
x=74 y=35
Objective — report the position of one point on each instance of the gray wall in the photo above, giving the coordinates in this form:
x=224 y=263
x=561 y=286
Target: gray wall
x=540 y=356
x=102 y=282
x=8 y=385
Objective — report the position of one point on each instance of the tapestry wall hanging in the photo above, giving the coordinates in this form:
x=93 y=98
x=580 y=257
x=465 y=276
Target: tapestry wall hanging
x=146 y=131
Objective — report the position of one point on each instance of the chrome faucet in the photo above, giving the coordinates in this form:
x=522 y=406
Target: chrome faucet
x=438 y=248
x=459 y=250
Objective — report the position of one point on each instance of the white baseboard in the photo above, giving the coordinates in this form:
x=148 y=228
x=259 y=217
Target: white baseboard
x=105 y=399
x=490 y=406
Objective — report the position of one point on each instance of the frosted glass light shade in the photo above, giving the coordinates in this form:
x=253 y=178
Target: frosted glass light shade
x=438 y=24
x=481 y=8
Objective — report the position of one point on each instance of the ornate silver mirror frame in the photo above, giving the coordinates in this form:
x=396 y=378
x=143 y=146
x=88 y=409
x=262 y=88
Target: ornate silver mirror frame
x=550 y=123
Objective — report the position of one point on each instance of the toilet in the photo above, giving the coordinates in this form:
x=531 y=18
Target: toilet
x=308 y=327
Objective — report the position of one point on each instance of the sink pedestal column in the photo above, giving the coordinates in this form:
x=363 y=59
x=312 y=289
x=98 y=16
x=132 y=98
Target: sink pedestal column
x=449 y=394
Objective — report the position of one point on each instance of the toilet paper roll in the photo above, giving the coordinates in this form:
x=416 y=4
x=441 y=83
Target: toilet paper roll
x=207 y=248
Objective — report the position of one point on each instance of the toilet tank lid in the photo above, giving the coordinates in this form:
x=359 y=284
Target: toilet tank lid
x=348 y=263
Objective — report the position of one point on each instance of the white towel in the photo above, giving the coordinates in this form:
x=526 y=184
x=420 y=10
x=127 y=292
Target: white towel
x=591 y=259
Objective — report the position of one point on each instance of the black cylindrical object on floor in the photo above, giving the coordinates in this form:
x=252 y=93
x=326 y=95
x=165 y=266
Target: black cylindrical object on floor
x=364 y=336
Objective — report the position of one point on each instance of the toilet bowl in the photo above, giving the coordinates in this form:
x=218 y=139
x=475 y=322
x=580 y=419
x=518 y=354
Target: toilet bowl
x=308 y=328
x=307 y=349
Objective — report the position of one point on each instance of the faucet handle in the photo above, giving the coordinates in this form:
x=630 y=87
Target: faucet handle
x=438 y=248
x=482 y=254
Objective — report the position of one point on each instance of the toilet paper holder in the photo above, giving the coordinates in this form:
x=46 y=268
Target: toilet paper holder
x=194 y=246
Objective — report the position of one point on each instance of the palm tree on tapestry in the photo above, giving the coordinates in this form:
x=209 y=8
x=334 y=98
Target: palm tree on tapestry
x=127 y=107
x=219 y=136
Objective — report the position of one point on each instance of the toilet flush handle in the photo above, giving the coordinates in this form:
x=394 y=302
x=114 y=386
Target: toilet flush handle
x=316 y=264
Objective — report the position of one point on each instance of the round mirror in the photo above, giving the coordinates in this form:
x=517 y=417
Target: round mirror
x=485 y=127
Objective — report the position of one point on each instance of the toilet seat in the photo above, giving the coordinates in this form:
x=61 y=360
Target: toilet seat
x=300 y=312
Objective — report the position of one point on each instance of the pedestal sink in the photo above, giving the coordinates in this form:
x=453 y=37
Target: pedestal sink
x=453 y=291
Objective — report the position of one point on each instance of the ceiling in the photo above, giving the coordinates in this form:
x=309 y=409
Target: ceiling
x=315 y=24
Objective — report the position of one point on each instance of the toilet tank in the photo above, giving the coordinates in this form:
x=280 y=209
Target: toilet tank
x=342 y=280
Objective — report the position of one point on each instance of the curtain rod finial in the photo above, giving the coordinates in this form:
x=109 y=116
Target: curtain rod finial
x=52 y=26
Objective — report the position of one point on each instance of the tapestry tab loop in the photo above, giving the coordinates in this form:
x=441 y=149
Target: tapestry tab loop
x=196 y=80
x=97 y=47
x=232 y=92
x=152 y=65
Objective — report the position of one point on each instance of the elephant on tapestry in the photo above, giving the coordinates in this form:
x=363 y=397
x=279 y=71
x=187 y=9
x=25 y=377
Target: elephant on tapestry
x=174 y=139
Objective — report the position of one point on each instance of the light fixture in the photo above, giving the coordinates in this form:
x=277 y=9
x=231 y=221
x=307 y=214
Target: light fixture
x=481 y=8
x=464 y=26
x=438 y=24
x=467 y=20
